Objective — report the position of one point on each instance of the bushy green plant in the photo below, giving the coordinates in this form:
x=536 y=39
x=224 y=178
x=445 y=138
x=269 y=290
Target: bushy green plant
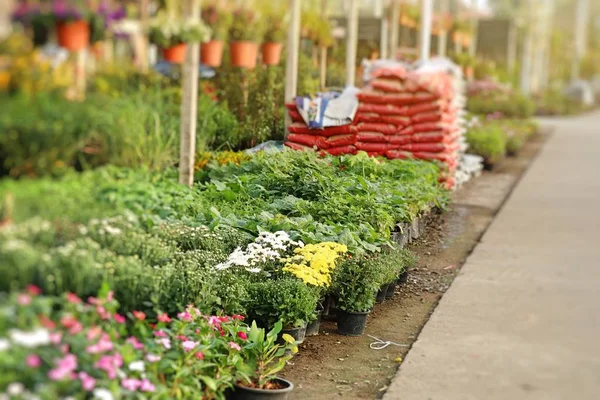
x=288 y=300
x=509 y=105
x=245 y=25
x=389 y=265
x=166 y=30
x=355 y=284
x=487 y=141
x=217 y=20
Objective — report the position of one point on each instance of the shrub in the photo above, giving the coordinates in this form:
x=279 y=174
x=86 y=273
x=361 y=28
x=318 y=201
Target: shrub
x=355 y=284
x=288 y=300
x=509 y=105
x=487 y=141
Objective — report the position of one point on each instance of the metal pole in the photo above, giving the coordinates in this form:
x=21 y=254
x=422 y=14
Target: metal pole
x=291 y=63
x=189 y=101
x=425 y=34
x=394 y=28
x=351 y=42
x=443 y=38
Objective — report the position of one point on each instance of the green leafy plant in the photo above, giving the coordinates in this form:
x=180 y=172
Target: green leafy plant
x=355 y=284
x=287 y=300
x=218 y=21
x=167 y=30
x=488 y=141
x=245 y=26
x=264 y=356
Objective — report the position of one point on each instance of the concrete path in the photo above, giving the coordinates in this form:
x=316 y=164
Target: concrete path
x=522 y=319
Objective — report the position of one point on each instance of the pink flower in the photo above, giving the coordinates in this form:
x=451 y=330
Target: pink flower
x=46 y=322
x=119 y=319
x=87 y=382
x=152 y=357
x=189 y=345
x=165 y=342
x=224 y=318
x=214 y=321
x=33 y=290
x=64 y=368
x=75 y=329
x=186 y=316
x=93 y=300
x=55 y=337
x=160 y=333
x=199 y=355
x=147 y=386
x=242 y=335
x=102 y=346
x=164 y=318
x=139 y=315
x=110 y=295
x=23 y=299
x=33 y=361
x=109 y=364
x=93 y=332
x=235 y=346
x=73 y=298
x=182 y=338
x=105 y=315
x=131 y=384
x=135 y=343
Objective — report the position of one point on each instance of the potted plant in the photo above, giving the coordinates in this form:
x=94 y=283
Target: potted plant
x=273 y=39
x=172 y=34
x=354 y=286
x=211 y=51
x=244 y=34
x=287 y=300
x=72 y=27
x=40 y=23
x=263 y=357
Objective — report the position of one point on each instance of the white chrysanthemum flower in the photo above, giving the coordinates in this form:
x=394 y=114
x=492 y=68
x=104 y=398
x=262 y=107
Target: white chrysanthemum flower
x=38 y=337
x=103 y=394
x=15 y=389
x=137 y=366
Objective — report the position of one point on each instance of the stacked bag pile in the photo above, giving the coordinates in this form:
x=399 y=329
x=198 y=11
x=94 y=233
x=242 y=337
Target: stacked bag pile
x=403 y=112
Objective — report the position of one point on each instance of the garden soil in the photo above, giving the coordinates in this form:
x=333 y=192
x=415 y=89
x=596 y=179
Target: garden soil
x=331 y=366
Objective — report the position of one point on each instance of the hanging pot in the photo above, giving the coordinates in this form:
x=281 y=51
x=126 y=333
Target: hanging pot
x=241 y=392
x=351 y=323
x=243 y=54
x=211 y=53
x=175 y=54
x=73 y=36
x=271 y=53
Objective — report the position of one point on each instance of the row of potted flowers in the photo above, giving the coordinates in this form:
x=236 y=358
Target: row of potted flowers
x=64 y=347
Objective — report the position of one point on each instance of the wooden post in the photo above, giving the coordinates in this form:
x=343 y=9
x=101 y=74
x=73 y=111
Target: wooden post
x=323 y=55
x=383 y=33
x=80 y=73
x=395 y=16
x=291 y=64
x=581 y=23
x=473 y=44
x=189 y=101
x=143 y=50
x=443 y=38
x=511 y=56
x=351 y=42
x=425 y=34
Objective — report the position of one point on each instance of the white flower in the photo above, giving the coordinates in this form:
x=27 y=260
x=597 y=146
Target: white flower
x=15 y=389
x=136 y=366
x=4 y=344
x=253 y=270
x=39 y=337
x=103 y=394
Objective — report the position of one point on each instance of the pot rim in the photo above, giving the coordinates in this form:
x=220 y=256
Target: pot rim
x=287 y=389
x=355 y=312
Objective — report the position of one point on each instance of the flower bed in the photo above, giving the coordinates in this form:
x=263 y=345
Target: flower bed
x=267 y=238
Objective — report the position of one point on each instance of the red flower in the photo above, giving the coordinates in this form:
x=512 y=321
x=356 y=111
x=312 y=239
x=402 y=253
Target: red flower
x=164 y=318
x=242 y=335
x=199 y=355
x=119 y=319
x=152 y=326
x=182 y=338
x=72 y=298
x=33 y=290
x=139 y=315
x=46 y=322
x=238 y=317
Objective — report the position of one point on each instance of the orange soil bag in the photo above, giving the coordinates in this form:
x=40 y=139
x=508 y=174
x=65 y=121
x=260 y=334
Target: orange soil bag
x=430 y=147
x=296 y=146
x=381 y=109
x=336 y=151
x=340 y=140
x=398 y=154
x=386 y=129
x=308 y=140
x=329 y=131
x=378 y=147
x=433 y=137
x=372 y=137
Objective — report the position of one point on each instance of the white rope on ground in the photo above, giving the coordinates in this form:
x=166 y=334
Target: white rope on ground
x=380 y=344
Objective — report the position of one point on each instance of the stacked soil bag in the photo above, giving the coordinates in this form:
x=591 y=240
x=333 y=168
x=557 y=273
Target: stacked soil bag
x=404 y=112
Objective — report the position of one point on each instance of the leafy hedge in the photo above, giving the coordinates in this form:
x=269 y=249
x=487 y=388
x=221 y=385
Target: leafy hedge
x=156 y=242
x=508 y=105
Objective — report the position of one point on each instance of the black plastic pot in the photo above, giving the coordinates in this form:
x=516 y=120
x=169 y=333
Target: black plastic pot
x=297 y=333
x=390 y=290
x=312 y=328
x=351 y=323
x=403 y=277
x=381 y=293
x=246 y=393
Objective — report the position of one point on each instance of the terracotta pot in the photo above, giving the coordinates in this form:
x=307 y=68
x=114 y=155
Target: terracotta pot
x=211 y=53
x=175 y=54
x=243 y=54
x=74 y=35
x=271 y=53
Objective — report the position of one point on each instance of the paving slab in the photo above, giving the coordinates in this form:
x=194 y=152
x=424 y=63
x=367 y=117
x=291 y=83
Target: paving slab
x=522 y=319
